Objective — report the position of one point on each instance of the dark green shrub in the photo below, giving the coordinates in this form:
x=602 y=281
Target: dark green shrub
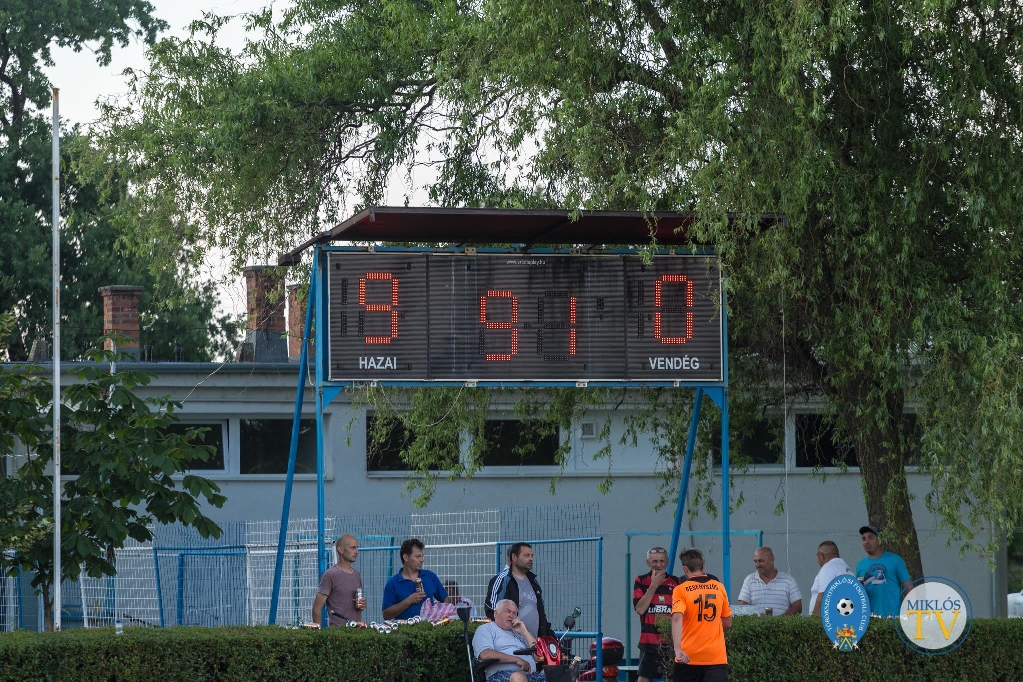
x=420 y=652
x=797 y=649
x=775 y=649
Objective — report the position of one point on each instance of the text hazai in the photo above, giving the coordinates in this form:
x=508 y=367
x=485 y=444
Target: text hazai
x=378 y=362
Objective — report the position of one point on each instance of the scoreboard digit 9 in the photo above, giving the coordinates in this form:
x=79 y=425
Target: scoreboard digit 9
x=415 y=316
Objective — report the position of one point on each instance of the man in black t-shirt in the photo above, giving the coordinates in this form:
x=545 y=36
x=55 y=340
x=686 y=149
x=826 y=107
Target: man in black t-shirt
x=651 y=597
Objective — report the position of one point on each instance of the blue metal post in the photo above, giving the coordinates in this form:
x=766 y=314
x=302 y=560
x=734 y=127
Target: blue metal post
x=321 y=348
x=600 y=598
x=629 y=610
x=293 y=452
x=726 y=510
x=181 y=587
x=159 y=587
x=684 y=484
x=21 y=609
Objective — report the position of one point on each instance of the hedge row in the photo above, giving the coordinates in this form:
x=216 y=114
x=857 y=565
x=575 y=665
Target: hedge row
x=778 y=649
x=798 y=650
x=242 y=654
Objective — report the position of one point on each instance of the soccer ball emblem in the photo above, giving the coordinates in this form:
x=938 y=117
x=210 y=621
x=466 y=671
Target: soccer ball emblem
x=846 y=607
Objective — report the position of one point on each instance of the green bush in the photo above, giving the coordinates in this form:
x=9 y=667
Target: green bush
x=242 y=654
x=797 y=649
x=776 y=649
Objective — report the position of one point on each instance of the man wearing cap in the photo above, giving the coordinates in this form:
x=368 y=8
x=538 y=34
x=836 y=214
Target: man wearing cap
x=832 y=566
x=883 y=574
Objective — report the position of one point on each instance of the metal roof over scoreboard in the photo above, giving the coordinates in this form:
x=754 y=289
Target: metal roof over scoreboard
x=427 y=225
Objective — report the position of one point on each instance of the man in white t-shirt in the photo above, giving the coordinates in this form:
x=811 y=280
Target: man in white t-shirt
x=767 y=587
x=832 y=566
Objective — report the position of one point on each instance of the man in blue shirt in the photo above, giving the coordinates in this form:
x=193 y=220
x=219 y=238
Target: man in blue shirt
x=883 y=574
x=405 y=591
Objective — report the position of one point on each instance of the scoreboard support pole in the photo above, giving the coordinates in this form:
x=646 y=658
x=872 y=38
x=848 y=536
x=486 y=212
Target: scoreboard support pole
x=684 y=484
x=293 y=451
x=721 y=400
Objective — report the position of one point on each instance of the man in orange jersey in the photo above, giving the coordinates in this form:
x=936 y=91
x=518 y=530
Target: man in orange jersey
x=700 y=614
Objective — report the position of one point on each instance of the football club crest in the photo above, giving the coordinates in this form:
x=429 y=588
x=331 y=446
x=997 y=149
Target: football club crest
x=845 y=612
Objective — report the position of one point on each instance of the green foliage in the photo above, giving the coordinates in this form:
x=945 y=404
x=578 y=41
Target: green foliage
x=780 y=649
x=859 y=169
x=796 y=649
x=418 y=652
x=119 y=461
x=174 y=311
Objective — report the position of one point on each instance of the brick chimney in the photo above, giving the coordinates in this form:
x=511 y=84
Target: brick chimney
x=121 y=317
x=296 y=322
x=265 y=328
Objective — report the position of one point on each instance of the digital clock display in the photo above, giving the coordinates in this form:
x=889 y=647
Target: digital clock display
x=505 y=317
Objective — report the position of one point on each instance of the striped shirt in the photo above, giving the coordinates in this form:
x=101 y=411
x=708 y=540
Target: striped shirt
x=650 y=638
x=779 y=594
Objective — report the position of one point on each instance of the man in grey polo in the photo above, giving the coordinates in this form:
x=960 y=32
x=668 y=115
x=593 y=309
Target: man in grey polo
x=498 y=639
x=767 y=587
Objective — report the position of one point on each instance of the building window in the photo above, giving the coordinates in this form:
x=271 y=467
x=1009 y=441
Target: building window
x=214 y=435
x=512 y=443
x=384 y=450
x=761 y=442
x=266 y=443
x=816 y=446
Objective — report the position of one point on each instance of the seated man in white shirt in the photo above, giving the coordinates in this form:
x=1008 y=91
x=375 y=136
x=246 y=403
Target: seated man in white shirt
x=498 y=639
x=832 y=566
x=769 y=588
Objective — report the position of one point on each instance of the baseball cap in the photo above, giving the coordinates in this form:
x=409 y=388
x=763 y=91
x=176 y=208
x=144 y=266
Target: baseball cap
x=870 y=529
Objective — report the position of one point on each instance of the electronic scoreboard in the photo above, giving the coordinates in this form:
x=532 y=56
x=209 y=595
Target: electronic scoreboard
x=412 y=316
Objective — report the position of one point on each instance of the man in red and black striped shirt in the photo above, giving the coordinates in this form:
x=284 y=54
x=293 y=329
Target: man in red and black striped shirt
x=651 y=597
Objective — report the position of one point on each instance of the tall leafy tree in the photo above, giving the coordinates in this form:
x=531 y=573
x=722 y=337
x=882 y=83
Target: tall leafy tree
x=122 y=458
x=175 y=311
x=882 y=138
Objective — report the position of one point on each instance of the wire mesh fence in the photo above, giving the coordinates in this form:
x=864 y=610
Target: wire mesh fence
x=182 y=579
x=8 y=604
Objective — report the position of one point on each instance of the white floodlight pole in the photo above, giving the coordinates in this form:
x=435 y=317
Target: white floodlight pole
x=56 y=361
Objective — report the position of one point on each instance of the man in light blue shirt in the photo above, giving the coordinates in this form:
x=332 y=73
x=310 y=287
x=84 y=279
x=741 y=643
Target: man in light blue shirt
x=883 y=574
x=498 y=639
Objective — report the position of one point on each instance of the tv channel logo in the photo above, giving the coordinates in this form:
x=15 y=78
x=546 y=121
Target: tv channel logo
x=845 y=612
x=935 y=616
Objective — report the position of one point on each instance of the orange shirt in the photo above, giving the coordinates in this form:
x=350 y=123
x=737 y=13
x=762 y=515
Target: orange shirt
x=702 y=601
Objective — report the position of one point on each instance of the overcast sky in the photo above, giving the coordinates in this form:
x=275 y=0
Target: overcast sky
x=82 y=81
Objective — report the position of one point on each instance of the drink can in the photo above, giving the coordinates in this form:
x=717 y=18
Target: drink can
x=419 y=584
x=442 y=621
x=358 y=593
x=768 y=610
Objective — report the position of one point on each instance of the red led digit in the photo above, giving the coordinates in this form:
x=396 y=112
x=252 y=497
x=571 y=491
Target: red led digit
x=658 y=285
x=493 y=324
x=381 y=307
x=543 y=341
x=571 y=321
